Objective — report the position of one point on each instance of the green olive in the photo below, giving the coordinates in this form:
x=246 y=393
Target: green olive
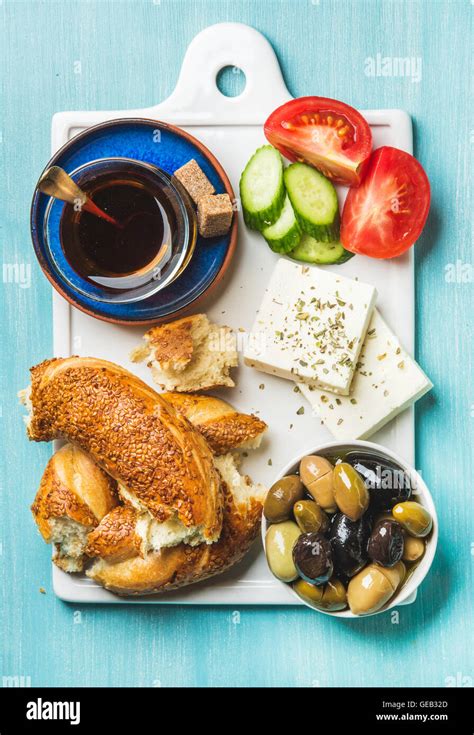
x=331 y=597
x=310 y=517
x=310 y=593
x=334 y=595
x=279 y=541
x=281 y=498
x=317 y=477
x=413 y=549
x=373 y=587
x=350 y=492
x=414 y=518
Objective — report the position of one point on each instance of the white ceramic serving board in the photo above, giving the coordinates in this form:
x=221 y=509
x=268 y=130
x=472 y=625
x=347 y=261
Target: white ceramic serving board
x=232 y=129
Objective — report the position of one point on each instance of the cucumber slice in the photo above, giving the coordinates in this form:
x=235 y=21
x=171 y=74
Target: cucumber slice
x=314 y=200
x=262 y=191
x=285 y=233
x=310 y=250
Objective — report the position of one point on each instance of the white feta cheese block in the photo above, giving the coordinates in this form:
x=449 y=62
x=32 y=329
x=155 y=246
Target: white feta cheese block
x=310 y=326
x=387 y=380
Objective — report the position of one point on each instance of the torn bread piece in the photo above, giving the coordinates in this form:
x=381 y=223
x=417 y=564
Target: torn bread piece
x=223 y=427
x=189 y=354
x=164 y=568
x=169 y=532
x=73 y=497
x=128 y=531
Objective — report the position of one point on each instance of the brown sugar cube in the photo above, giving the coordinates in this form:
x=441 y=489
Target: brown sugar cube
x=214 y=214
x=194 y=180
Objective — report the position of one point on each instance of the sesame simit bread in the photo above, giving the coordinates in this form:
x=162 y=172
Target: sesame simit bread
x=146 y=571
x=162 y=464
x=223 y=427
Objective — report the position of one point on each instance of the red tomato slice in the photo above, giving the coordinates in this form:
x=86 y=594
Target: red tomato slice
x=386 y=214
x=327 y=134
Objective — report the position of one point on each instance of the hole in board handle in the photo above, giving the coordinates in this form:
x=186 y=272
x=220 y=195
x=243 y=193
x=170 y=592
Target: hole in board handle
x=231 y=81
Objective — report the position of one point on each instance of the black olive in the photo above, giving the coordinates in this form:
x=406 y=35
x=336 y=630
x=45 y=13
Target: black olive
x=387 y=483
x=386 y=543
x=312 y=556
x=349 y=543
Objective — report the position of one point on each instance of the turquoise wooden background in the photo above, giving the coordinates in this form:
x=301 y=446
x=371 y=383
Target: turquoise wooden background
x=129 y=54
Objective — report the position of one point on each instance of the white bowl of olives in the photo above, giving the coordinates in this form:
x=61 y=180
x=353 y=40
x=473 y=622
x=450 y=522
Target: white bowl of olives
x=350 y=528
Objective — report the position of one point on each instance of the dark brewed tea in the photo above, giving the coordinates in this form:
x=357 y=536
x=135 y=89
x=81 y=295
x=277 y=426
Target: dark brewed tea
x=136 y=250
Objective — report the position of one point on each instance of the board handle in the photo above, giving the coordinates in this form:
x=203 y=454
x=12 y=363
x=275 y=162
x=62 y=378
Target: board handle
x=227 y=44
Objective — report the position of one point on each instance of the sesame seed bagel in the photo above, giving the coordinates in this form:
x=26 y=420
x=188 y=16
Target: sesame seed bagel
x=164 y=464
x=223 y=427
x=177 y=566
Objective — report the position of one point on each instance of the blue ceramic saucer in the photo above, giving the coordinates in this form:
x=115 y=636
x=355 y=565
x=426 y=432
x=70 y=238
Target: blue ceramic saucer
x=167 y=147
